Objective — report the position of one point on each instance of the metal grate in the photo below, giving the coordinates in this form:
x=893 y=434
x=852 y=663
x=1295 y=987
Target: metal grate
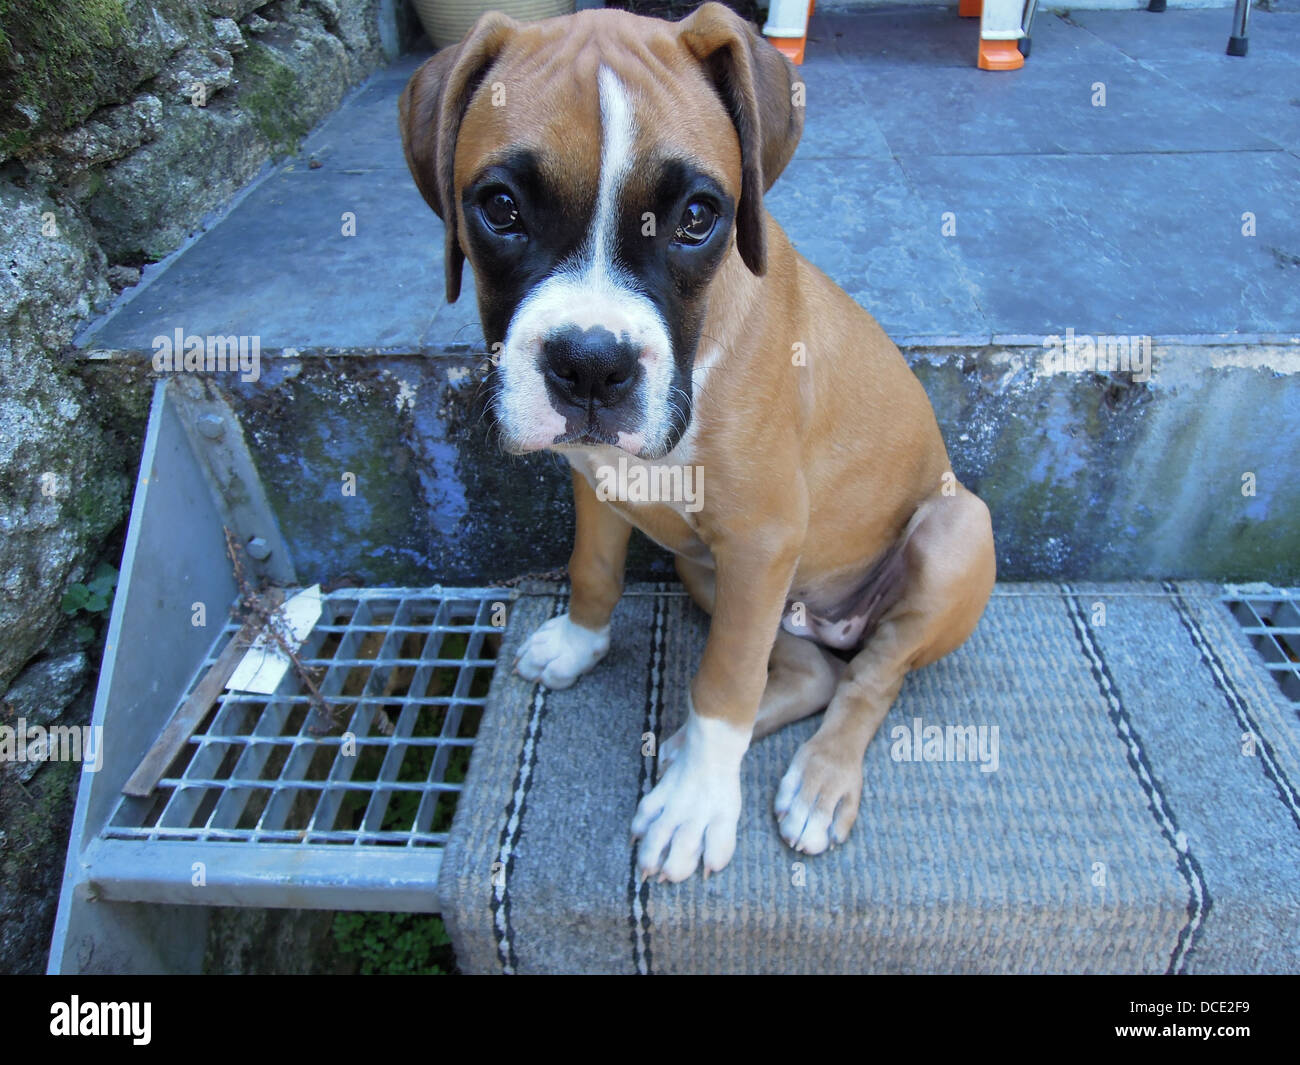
x=271 y=769
x=1272 y=621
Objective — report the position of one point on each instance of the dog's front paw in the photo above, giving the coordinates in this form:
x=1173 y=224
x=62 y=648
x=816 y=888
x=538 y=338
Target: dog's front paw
x=693 y=811
x=560 y=652
x=670 y=749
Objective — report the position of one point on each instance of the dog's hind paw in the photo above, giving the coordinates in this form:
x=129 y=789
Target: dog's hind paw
x=560 y=651
x=817 y=801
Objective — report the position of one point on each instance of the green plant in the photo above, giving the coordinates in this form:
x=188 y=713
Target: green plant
x=94 y=598
x=395 y=944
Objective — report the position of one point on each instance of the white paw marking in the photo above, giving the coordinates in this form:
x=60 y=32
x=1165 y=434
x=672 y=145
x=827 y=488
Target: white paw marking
x=817 y=801
x=670 y=749
x=560 y=651
x=693 y=811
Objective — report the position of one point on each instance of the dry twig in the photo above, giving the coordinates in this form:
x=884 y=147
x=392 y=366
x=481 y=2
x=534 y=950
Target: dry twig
x=276 y=624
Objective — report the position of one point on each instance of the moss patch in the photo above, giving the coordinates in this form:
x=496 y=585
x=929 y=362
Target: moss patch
x=270 y=96
x=35 y=819
x=55 y=64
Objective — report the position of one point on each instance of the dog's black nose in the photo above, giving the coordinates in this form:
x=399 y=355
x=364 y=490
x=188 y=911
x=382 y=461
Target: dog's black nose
x=590 y=365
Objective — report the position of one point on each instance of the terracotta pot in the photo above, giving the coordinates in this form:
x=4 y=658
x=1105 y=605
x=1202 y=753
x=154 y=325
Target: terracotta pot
x=447 y=21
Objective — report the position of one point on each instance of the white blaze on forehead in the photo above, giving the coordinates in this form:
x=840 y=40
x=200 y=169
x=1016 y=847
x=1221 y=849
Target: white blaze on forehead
x=617 y=133
x=587 y=291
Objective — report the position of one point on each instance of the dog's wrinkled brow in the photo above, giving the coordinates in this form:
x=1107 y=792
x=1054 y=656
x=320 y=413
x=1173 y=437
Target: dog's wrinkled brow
x=522 y=166
x=536 y=175
x=674 y=176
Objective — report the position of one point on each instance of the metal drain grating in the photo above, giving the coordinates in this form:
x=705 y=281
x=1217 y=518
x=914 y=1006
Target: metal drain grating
x=1272 y=621
x=406 y=673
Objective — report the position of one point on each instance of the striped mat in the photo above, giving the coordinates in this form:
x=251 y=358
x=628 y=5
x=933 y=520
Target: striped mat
x=1132 y=807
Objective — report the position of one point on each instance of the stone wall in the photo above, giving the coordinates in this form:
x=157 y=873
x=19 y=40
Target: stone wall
x=123 y=124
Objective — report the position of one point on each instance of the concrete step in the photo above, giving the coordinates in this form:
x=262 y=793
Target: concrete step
x=1122 y=218
x=1160 y=442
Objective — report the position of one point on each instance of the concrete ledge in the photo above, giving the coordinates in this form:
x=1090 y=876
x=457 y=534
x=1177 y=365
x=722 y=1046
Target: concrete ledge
x=1089 y=475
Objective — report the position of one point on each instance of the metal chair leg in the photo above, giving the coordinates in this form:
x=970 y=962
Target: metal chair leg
x=1237 y=43
x=1027 y=25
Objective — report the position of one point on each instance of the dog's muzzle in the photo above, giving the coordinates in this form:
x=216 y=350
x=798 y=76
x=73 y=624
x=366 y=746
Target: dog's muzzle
x=586 y=362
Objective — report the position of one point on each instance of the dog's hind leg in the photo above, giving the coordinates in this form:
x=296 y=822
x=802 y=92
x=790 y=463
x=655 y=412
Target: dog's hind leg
x=948 y=555
x=801 y=680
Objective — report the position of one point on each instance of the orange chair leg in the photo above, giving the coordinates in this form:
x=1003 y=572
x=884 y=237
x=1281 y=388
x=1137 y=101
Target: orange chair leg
x=1000 y=55
x=793 y=47
x=970 y=8
x=790 y=47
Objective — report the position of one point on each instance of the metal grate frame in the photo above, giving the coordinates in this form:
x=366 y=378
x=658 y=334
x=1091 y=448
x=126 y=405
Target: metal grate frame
x=271 y=769
x=1271 y=619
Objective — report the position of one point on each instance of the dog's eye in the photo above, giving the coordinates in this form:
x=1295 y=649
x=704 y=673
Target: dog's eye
x=697 y=223
x=500 y=211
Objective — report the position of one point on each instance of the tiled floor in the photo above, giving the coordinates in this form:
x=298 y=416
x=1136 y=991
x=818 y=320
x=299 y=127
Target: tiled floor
x=1125 y=218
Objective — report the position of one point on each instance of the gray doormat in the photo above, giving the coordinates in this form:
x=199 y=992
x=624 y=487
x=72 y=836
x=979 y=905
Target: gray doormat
x=1143 y=815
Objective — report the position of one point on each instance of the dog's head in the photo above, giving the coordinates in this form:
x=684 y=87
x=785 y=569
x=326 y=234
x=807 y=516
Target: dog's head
x=596 y=170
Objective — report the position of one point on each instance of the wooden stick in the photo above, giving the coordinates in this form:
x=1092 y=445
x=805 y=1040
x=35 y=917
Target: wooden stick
x=191 y=713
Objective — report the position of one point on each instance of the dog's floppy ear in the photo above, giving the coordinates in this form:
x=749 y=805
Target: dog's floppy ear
x=431 y=108
x=756 y=84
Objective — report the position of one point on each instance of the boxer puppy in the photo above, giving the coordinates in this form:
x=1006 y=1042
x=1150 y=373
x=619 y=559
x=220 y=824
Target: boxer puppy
x=604 y=175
